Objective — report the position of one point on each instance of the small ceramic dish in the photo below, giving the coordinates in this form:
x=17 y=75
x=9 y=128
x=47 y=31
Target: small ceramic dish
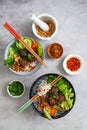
x=42 y=35
x=73 y=64
x=55 y=50
x=15 y=89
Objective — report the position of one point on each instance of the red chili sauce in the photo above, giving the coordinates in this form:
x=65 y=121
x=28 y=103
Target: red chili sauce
x=73 y=64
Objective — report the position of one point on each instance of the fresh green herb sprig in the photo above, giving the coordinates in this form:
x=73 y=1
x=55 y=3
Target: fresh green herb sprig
x=16 y=88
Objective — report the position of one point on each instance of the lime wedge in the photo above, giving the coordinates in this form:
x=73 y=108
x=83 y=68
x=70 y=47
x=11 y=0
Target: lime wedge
x=40 y=50
x=46 y=114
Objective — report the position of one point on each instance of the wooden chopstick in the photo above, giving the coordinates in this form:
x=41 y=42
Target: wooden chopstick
x=34 y=97
x=29 y=102
x=55 y=80
x=19 y=37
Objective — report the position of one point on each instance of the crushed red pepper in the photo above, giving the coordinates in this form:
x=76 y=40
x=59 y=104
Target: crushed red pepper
x=73 y=64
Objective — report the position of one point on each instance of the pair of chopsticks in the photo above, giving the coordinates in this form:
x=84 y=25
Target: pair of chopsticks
x=19 y=38
x=29 y=102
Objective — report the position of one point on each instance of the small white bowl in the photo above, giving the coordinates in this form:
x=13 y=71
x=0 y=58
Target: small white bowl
x=79 y=70
x=44 y=17
x=9 y=91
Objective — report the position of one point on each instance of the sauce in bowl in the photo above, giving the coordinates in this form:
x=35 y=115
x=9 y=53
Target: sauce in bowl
x=55 y=50
x=73 y=64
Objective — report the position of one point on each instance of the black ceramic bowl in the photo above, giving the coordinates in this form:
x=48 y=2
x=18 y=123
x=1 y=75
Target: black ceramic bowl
x=33 y=91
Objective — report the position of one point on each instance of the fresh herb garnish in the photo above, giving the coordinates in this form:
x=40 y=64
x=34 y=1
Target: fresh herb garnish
x=16 y=88
x=9 y=62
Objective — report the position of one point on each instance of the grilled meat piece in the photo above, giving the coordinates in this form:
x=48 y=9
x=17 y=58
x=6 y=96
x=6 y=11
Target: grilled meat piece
x=60 y=97
x=24 y=64
x=51 y=101
x=23 y=53
x=54 y=89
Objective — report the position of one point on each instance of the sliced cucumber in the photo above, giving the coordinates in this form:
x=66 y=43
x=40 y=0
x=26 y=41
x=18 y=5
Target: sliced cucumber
x=40 y=50
x=46 y=114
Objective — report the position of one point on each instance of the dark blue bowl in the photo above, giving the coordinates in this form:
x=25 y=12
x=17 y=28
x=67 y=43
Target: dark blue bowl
x=33 y=91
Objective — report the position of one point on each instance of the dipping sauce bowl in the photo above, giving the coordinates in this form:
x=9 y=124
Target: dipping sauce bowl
x=73 y=64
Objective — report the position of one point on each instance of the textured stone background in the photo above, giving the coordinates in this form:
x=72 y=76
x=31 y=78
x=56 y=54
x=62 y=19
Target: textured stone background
x=72 y=34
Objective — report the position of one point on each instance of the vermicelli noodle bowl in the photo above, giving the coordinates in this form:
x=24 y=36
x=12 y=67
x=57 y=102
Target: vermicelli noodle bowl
x=19 y=59
x=53 y=102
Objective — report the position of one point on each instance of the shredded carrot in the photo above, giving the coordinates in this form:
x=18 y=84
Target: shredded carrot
x=43 y=103
x=34 y=45
x=53 y=111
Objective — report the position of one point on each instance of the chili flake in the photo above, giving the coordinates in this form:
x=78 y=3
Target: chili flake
x=73 y=64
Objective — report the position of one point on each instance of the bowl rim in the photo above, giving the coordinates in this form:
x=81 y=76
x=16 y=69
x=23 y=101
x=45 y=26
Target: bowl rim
x=77 y=71
x=54 y=21
x=22 y=73
x=37 y=111
x=9 y=91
